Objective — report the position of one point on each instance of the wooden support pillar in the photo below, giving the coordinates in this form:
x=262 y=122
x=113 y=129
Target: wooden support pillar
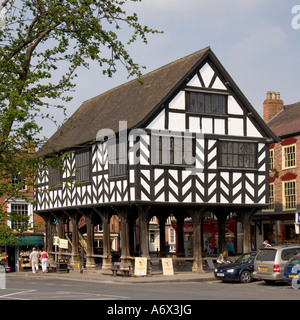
x=90 y=260
x=124 y=233
x=75 y=241
x=246 y=216
x=144 y=215
x=105 y=215
x=162 y=236
x=221 y=216
x=180 y=239
x=197 y=216
x=60 y=218
x=49 y=238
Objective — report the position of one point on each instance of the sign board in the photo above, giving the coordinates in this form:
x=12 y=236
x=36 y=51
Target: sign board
x=167 y=264
x=63 y=244
x=140 y=266
x=297 y=219
x=55 y=241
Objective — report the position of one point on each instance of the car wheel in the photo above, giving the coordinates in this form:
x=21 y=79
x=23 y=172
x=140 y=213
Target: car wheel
x=246 y=276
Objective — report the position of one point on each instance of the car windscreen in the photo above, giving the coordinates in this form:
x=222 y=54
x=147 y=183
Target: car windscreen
x=286 y=254
x=266 y=255
x=244 y=258
x=294 y=262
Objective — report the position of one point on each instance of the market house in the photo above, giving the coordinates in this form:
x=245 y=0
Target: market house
x=210 y=155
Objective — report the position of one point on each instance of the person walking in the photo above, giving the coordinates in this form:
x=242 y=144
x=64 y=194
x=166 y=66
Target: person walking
x=34 y=260
x=44 y=260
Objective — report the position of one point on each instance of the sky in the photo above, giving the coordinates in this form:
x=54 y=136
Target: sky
x=257 y=41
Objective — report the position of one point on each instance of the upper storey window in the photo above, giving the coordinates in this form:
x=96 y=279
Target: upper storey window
x=83 y=166
x=289 y=156
x=234 y=154
x=207 y=103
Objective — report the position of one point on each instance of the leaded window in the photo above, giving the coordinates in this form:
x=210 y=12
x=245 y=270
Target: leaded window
x=235 y=154
x=207 y=103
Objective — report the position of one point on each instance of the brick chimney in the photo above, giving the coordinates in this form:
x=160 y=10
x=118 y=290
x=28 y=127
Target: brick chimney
x=272 y=105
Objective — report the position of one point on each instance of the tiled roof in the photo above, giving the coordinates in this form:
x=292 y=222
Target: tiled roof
x=130 y=102
x=287 y=121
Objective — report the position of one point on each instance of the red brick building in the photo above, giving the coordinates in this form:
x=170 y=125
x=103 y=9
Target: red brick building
x=277 y=223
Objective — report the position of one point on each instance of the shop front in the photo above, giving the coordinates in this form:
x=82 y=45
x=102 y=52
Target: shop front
x=18 y=255
x=210 y=236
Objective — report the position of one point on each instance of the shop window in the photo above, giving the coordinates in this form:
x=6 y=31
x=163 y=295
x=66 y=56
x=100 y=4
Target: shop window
x=289 y=195
x=289 y=156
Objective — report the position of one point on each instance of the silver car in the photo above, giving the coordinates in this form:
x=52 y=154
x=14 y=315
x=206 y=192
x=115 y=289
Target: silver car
x=269 y=262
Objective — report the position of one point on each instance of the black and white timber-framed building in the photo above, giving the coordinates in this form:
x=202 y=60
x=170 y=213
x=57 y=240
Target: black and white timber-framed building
x=185 y=142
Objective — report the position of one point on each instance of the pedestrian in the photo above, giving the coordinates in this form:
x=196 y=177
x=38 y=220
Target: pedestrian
x=44 y=260
x=266 y=244
x=223 y=258
x=34 y=260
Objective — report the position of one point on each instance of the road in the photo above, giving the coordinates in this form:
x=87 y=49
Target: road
x=45 y=288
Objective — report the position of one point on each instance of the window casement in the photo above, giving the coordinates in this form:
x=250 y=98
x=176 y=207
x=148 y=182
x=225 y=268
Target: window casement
x=206 y=103
x=172 y=150
x=83 y=166
x=289 y=195
x=117 y=159
x=20 y=209
x=18 y=182
x=237 y=154
x=271 y=198
x=271 y=159
x=289 y=156
x=55 y=177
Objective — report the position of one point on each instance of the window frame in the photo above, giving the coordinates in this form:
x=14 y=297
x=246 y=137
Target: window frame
x=117 y=170
x=271 y=159
x=19 y=224
x=284 y=196
x=236 y=156
x=54 y=177
x=165 y=154
x=208 y=97
x=79 y=167
x=284 y=160
x=271 y=207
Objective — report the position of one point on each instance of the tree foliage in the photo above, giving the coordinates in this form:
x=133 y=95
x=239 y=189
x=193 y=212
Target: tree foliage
x=42 y=44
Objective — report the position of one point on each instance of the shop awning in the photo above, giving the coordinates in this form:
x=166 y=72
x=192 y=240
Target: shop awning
x=30 y=241
x=27 y=240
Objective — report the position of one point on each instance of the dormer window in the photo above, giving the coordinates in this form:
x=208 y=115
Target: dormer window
x=206 y=103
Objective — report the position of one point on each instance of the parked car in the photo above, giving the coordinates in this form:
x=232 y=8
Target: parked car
x=269 y=262
x=239 y=270
x=292 y=269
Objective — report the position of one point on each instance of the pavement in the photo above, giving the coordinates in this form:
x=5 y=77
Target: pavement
x=181 y=274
